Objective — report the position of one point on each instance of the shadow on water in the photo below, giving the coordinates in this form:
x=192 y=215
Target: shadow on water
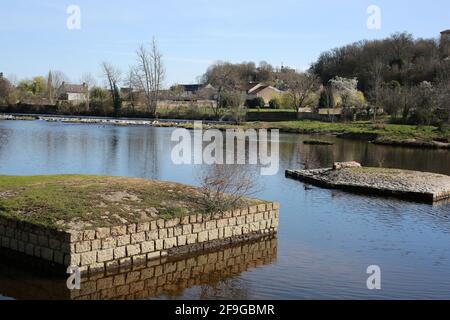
x=212 y=274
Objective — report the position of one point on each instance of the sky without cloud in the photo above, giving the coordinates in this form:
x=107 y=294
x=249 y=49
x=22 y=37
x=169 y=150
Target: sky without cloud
x=193 y=34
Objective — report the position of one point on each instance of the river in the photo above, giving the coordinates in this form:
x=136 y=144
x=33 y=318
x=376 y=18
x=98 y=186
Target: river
x=326 y=238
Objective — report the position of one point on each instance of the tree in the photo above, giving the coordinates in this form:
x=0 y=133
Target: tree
x=275 y=103
x=234 y=101
x=38 y=85
x=112 y=76
x=224 y=77
x=224 y=187
x=90 y=81
x=376 y=82
x=425 y=103
x=129 y=83
x=301 y=88
x=443 y=88
x=5 y=89
x=406 y=60
x=257 y=102
x=149 y=75
x=324 y=101
x=55 y=79
x=98 y=99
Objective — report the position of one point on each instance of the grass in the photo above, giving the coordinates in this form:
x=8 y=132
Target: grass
x=84 y=202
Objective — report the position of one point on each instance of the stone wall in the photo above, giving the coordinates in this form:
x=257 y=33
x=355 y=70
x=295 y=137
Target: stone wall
x=113 y=247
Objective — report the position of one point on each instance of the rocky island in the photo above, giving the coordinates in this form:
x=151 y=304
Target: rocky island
x=409 y=185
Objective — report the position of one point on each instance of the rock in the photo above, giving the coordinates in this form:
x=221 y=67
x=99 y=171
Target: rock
x=346 y=165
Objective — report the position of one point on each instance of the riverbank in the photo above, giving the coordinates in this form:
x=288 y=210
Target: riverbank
x=427 y=137
x=99 y=223
x=404 y=184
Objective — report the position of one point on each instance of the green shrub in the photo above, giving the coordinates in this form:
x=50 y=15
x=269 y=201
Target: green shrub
x=275 y=103
x=257 y=102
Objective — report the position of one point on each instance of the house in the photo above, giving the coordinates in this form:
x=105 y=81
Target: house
x=74 y=93
x=262 y=91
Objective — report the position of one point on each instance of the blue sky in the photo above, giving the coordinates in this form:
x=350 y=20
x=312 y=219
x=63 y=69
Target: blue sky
x=193 y=34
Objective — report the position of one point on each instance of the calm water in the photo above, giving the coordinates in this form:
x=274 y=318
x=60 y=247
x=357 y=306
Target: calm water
x=326 y=239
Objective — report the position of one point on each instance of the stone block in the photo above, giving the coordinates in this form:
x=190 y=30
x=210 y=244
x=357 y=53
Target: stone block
x=197 y=227
x=102 y=233
x=105 y=255
x=143 y=227
x=181 y=240
x=203 y=236
x=88 y=235
x=88 y=258
x=147 y=246
x=109 y=243
x=138 y=237
x=178 y=231
x=152 y=235
x=96 y=244
x=123 y=240
x=153 y=255
x=170 y=243
x=159 y=244
x=192 y=238
x=120 y=252
x=83 y=246
x=118 y=231
x=133 y=249
x=213 y=234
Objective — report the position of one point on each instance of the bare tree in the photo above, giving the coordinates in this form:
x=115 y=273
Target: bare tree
x=90 y=81
x=149 y=75
x=129 y=83
x=113 y=76
x=55 y=80
x=225 y=187
x=376 y=82
x=300 y=88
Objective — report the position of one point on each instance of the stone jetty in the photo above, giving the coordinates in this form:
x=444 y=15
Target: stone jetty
x=415 y=186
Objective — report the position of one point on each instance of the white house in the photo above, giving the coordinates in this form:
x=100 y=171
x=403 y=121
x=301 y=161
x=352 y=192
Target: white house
x=74 y=93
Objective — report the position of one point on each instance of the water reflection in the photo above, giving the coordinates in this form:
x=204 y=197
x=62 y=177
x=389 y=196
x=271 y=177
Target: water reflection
x=211 y=274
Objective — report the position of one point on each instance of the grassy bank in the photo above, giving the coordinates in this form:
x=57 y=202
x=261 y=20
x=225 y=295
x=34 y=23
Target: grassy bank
x=80 y=201
x=379 y=133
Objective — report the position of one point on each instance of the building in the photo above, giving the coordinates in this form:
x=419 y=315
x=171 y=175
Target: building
x=445 y=43
x=263 y=91
x=74 y=93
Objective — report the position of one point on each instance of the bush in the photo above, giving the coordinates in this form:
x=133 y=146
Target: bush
x=275 y=103
x=257 y=102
